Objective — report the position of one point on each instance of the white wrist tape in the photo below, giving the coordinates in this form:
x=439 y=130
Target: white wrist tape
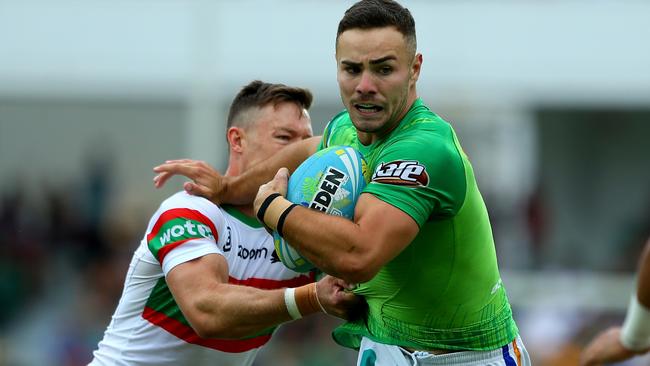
x=635 y=334
x=290 y=302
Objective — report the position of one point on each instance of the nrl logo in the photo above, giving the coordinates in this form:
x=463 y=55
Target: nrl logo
x=408 y=173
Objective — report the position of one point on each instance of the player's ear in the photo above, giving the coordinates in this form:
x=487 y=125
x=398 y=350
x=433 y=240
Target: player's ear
x=416 y=66
x=236 y=136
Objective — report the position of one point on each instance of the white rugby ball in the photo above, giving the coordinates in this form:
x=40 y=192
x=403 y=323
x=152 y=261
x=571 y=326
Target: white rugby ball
x=331 y=181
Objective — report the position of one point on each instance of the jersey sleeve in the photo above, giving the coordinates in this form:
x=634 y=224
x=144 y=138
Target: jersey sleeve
x=421 y=174
x=185 y=228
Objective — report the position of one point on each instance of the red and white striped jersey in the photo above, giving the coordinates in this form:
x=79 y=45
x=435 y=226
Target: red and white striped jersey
x=147 y=327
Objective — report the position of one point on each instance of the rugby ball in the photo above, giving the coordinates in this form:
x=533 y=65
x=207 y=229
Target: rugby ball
x=330 y=181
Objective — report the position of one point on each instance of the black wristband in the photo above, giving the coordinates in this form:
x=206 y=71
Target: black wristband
x=267 y=202
x=284 y=216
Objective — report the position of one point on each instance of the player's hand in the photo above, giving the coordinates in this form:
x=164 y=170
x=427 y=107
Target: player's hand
x=606 y=348
x=206 y=181
x=277 y=185
x=335 y=297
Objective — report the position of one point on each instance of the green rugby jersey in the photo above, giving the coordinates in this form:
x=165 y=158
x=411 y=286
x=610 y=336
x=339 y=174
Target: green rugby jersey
x=444 y=290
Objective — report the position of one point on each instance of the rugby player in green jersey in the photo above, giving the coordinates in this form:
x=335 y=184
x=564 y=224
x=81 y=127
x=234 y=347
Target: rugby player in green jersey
x=420 y=247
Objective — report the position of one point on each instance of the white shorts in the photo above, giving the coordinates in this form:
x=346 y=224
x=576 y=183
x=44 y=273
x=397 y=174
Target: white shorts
x=372 y=353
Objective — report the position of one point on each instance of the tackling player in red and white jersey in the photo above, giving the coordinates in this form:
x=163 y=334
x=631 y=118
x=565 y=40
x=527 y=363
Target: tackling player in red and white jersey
x=205 y=285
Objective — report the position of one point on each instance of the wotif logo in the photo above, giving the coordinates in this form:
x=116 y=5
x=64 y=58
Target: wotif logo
x=189 y=229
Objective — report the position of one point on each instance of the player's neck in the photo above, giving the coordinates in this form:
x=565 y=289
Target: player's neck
x=232 y=170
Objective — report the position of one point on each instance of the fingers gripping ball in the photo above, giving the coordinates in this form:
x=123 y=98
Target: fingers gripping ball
x=331 y=181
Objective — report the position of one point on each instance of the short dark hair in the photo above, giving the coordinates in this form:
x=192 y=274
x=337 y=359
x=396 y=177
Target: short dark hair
x=369 y=14
x=258 y=94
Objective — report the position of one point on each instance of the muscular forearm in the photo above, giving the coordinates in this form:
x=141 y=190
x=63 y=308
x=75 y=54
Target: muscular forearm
x=354 y=251
x=635 y=334
x=331 y=243
x=216 y=309
x=351 y=250
x=242 y=188
x=234 y=311
x=231 y=311
x=620 y=343
x=643 y=284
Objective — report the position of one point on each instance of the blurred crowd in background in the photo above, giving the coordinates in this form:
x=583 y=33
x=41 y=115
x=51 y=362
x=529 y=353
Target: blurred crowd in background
x=551 y=106
x=63 y=262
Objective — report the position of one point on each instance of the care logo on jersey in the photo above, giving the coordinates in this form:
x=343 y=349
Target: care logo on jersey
x=177 y=226
x=409 y=173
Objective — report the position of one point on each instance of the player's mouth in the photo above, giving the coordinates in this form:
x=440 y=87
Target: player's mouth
x=367 y=108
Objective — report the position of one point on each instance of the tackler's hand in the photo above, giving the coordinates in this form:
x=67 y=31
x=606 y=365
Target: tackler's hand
x=205 y=181
x=606 y=348
x=336 y=298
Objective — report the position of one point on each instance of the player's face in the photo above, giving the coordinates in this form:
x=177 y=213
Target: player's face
x=376 y=72
x=275 y=128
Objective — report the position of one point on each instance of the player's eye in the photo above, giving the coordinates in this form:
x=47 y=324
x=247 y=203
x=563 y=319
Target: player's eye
x=352 y=70
x=385 y=70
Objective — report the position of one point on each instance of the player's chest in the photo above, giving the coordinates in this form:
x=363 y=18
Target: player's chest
x=251 y=253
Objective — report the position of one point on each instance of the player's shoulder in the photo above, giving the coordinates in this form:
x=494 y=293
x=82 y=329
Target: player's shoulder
x=185 y=201
x=423 y=136
x=341 y=118
x=421 y=126
x=182 y=209
x=422 y=121
x=183 y=198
